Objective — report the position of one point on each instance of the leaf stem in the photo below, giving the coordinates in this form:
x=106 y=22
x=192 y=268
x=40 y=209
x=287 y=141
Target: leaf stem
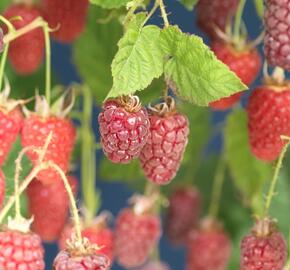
x=152 y=11
x=217 y=187
x=274 y=180
x=238 y=19
x=163 y=13
x=48 y=63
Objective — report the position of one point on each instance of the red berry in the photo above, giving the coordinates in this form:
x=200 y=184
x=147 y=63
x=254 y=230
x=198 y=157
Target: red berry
x=49 y=207
x=245 y=64
x=2 y=188
x=215 y=13
x=268 y=119
x=163 y=152
x=264 y=248
x=135 y=237
x=21 y=251
x=124 y=130
x=277 y=24
x=26 y=52
x=209 y=248
x=35 y=132
x=96 y=234
x=66 y=261
x=67 y=16
x=10 y=126
x=155 y=266
x=183 y=213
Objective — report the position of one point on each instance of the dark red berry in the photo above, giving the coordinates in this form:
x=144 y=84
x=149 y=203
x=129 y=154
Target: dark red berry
x=209 y=248
x=277 y=37
x=183 y=213
x=124 y=130
x=264 y=248
x=26 y=52
x=68 y=17
x=268 y=119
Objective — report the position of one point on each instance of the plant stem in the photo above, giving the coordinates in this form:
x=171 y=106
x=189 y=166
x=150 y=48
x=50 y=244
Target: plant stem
x=238 y=19
x=163 y=13
x=278 y=166
x=152 y=11
x=217 y=187
x=48 y=63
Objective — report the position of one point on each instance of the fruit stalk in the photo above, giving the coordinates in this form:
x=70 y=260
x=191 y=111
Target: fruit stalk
x=238 y=19
x=48 y=62
x=163 y=13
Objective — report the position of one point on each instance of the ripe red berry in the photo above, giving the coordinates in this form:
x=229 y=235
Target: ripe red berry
x=268 y=119
x=67 y=16
x=264 y=248
x=163 y=152
x=183 y=213
x=124 y=128
x=155 y=266
x=215 y=13
x=245 y=64
x=2 y=188
x=35 y=132
x=277 y=24
x=67 y=261
x=209 y=248
x=21 y=251
x=49 y=207
x=26 y=52
x=10 y=125
x=135 y=237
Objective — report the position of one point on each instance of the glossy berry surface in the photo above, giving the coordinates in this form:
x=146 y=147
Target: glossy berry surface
x=2 y=188
x=26 y=52
x=67 y=16
x=182 y=214
x=65 y=261
x=245 y=64
x=35 y=132
x=268 y=119
x=10 y=126
x=215 y=13
x=163 y=152
x=49 y=207
x=21 y=251
x=135 y=237
x=123 y=133
x=277 y=37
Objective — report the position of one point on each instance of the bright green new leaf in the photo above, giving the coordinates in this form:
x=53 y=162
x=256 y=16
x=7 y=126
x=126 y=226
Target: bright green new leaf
x=249 y=174
x=139 y=59
x=94 y=51
x=193 y=71
x=259 y=4
x=189 y=4
x=110 y=3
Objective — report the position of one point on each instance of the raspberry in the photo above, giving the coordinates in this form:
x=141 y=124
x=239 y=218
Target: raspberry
x=209 y=248
x=124 y=128
x=264 y=248
x=21 y=251
x=35 y=132
x=2 y=188
x=215 y=13
x=68 y=15
x=66 y=261
x=135 y=237
x=155 y=266
x=99 y=235
x=245 y=64
x=49 y=207
x=163 y=152
x=10 y=125
x=183 y=213
x=268 y=119
x=26 y=52
x=277 y=24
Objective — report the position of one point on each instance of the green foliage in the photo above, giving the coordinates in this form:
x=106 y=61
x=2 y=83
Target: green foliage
x=193 y=71
x=189 y=4
x=4 y=4
x=139 y=59
x=94 y=51
x=110 y=3
x=249 y=174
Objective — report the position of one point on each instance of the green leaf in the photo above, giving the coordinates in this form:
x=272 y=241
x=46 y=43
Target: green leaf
x=259 y=4
x=193 y=71
x=4 y=4
x=249 y=174
x=110 y=3
x=94 y=51
x=139 y=59
x=189 y=4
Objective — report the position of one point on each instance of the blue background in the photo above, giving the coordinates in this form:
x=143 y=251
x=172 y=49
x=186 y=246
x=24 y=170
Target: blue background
x=114 y=196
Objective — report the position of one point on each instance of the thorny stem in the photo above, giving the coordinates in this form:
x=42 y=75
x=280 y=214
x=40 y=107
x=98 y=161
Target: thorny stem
x=163 y=13
x=278 y=166
x=238 y=19
x=217 y=187
x=48 y=62
x=150 y=14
